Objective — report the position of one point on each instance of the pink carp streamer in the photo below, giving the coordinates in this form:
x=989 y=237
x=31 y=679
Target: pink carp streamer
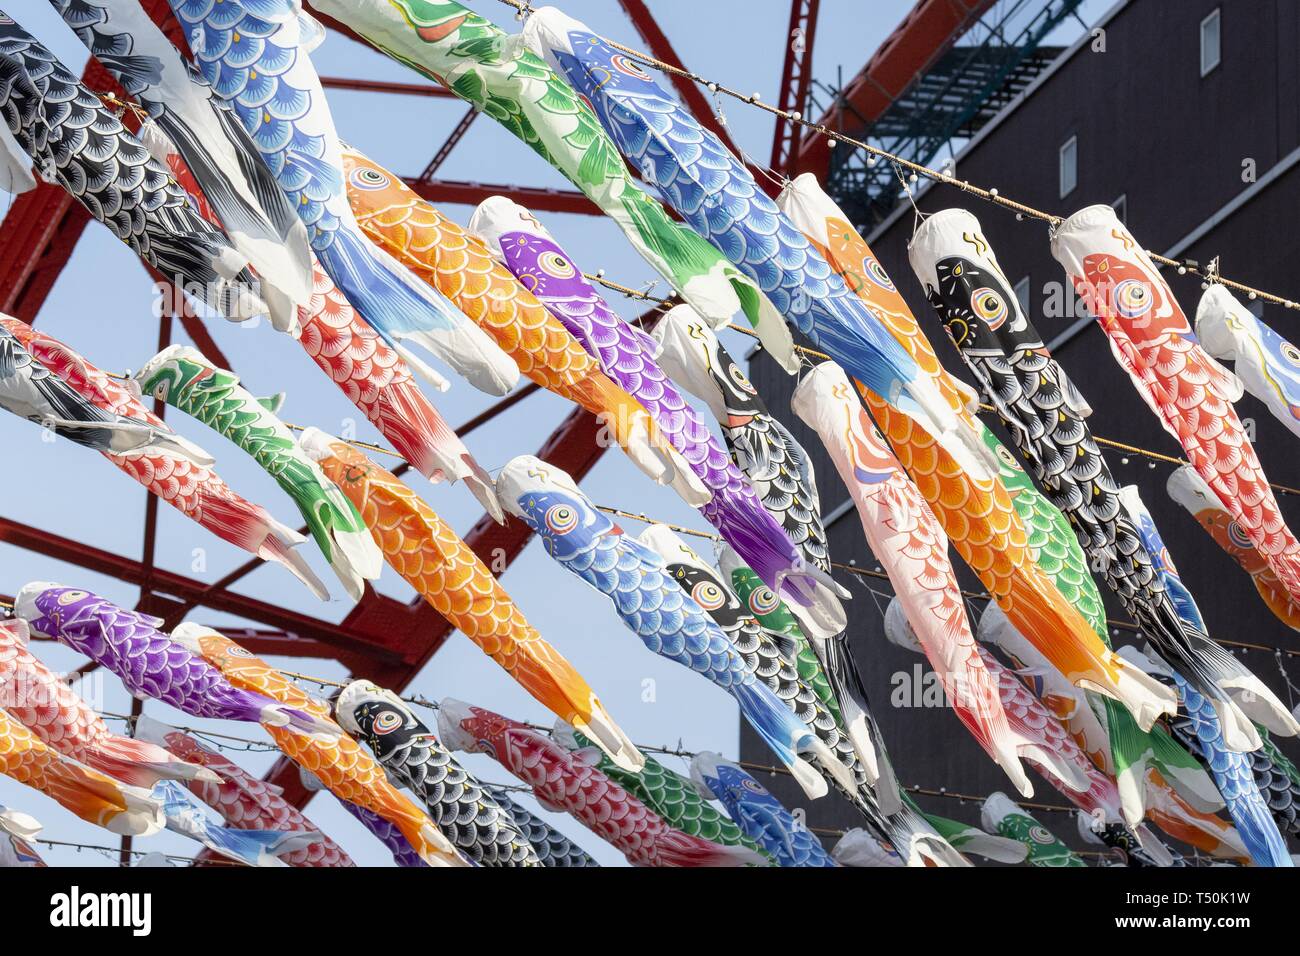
x=245 y=802
x=183 y=481
x=41 y=701
x=569 y=782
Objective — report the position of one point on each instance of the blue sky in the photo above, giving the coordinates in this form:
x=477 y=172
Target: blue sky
x=101 y=306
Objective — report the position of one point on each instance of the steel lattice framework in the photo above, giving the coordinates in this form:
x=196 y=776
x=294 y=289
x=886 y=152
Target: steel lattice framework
x=382 y=639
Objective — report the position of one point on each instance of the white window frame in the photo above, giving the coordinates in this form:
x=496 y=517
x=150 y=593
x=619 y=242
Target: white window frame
x=1214 y=19
x=1069 y=148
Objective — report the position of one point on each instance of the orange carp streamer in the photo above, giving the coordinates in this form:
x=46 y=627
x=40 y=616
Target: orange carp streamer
x=461 y=267
x=337 y=761
x=974 y=510
x=450 y=576
x=87 y=793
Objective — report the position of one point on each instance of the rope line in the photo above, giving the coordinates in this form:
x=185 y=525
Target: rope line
x=991 y=195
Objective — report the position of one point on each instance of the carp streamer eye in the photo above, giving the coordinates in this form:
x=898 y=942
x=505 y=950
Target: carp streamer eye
x=387 y=722
x=877 y=274
x=1290 y=353
x=1132 y=298
x=554 y=264
x=1040 y=834
x=1239 y=537
x=239 y=652
x=72 y=597
x=763 y=601
x=989 y=306
x=708 y=595
x=367 y=178
x=1007 y=458
x=739 y=380
x=629 y=67
x=561 y=519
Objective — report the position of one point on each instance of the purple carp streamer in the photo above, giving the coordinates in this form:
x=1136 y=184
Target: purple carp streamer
x=627 y=356
x=149 y=662
x=185 y=118
x=77 y=142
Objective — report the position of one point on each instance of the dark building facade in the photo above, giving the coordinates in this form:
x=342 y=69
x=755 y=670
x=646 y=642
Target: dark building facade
x=1201 y=156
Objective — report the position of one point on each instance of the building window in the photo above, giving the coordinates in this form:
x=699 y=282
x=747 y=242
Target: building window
x=1211 y=41
x=1069 y=165
x=1120 y=206
x=1022 y=294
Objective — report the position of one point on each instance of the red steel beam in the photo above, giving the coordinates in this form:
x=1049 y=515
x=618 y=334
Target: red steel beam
x=170 y=583
x=453 y=138
x=796 y=76
x=927 y=32
x=536 y=198
x=385 y=86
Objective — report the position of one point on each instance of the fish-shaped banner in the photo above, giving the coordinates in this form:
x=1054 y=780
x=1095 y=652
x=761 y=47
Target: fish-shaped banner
x=40 y=700
x=256 y=60
x=913 y=549
x=983 y=317
x=1176 y=817
x=771 y=656
x=76 y=141
x=404 y=746
x=149 y=663
x=1197 y=726
x=970 y=839
x=553 y=848
x=1142 y=782
x=333 y=758
x=970 y=503
x=1267 y=364
x=674 y=797
x=32 y=391
x=178 y=472
x=17 y=831
x=499 y=76
x=244 y=801
x=758 y=813
x=569 y=782
x=237 y=186
x=372 y=374
x=826 y=664
x=1002 y=816
x=446 y=572
x=1258 y=763
x=627 y=356
x=1189 y=489
x=652 y=604
x=1047 y=744
x=774 y=462
x=87 y=793
x=719 y=198
x=1190 y=392
x=187 y=816
x=462 y=267
x=183 y=378
x=1125 y=849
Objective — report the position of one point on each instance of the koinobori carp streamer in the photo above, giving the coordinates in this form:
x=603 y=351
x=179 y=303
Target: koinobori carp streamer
x=183 y=378
x=257 y=61
x=627 y=356
x=184 y=117
x=446 y=572
x=503 y=79
x=75 y=140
